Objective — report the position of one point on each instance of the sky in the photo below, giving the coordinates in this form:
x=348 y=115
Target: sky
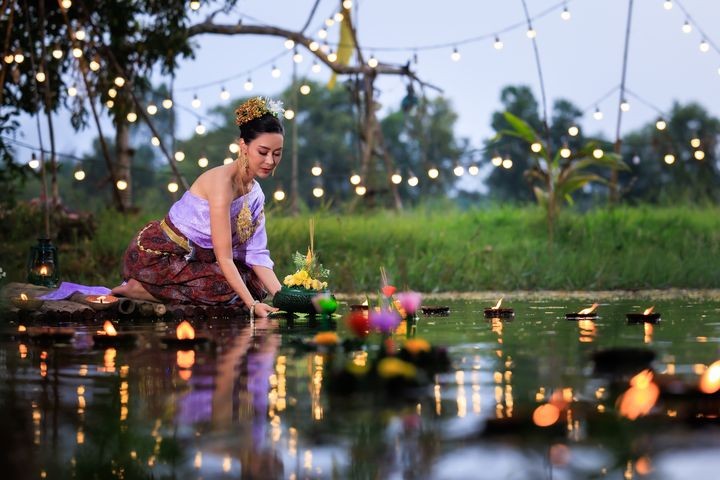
x=581 y=58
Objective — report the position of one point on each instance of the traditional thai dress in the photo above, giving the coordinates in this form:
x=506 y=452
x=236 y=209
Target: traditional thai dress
x=174 y=260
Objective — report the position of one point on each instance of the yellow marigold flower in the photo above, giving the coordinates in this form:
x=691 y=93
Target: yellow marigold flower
x=391 y=367
x=326 y=338
x=417 y=345
x=316 y=284
x=289 y=280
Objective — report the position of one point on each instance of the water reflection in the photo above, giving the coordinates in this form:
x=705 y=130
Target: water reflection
x=522 y=399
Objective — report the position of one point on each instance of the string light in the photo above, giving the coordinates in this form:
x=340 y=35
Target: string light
x=496 y=160
x=322 y=34
x=473 y=170
x=66 y=4
x=72 y=90
x=297 y=57
x=459 y=170
x=413 y=180
x=355 y=179
x=347 y=4
x=433 y=173
x=624 y=105
x=167 y=104
x=289 y=114
x=598 y=115
x=507 y=163
x=196 y=102
x=315 y=67
x=152 y=109
x=155 y=141
x=227 y=160
x=669 y=158
x=121 y=185
x=360 y=190
x=40 y=76
x=112 y=93
x=279 y=195
x=275 y=72
x=636 y=159
x=119 y=81
x=531 y=33
x=536 y=147
x=94 y=65
x=704 y=46
x=131 y=117
x=179 y=156
x=332 y=56
x=573 y=130
x=565 y=14
x=329 y=22
x=661 y=124
x=699 y=155
x=109 y=104
x=57 y=53
x=305 y=89
x=234 y=148
x=498 y=44
x=396 y=178
x=224 y=94
x=455 y=55
x=172 y=187
x=339 y=17
x=34 y=163
x=372 y=61
x=79 y=173
x=9 y=59
x=289 y=43
x=667 y=5
x=325 y=48
x=565 y=152
x=194 y=5
x=80 y=35
x=203 y=162
x=318 y=192
x=686 y=28
x=316 y=170
x=598 y=153
x=77 y=53
x=248 y=84
x=200 y=128
x=695 y=142
x=314 y=46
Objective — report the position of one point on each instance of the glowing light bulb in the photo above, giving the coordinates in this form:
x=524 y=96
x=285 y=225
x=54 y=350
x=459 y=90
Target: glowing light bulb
x=66 y=4
x=695 y=142
x=669 y=158
x=227 y=160
x=40 y=76
x=155 y=141
x=289 y=114
x=112 y=93
x=598 y=115
x=34 y=163
x=57 y=53
x=314 y=46
x=565 y=14
x=203 y=162
x=80 y=35
x=531 y=33
x=372 y=62
x=339 y=17
x=121 y=185
x=360 y=190
x=316 y=170
x=297 y=57
x=536 y=147
x=329 y=22
x=624 y=106
x=565 y=152
x=667 y=4
x=234 y=148
x=173 y=187
x=305 y=89
x=77 y=53
x=598 y=153
x=496 y=160
x=318 y=192
x=194 y=5
x=473 y=170
x=152 y=109
x=433 y=173
x=355 y=179
x=315 y=67
x=279 y=195
x=200 y=128
x=196 y=102
x=79 y=175
x=167 y=104
x=224 y=94
x=507 y=163
x=131 y=117
x=248 y=84
x=687 y=28
x=332 y=56
x=94 y=65
x=573 y=131
x=455 y=55
x=119 y=81
x=109 y=104
x=396 y=178
x=498 y=44
x=347 y=4
x=179 y=156
x=322 y=34
x=275 y=72
x=9 y=59
x=661 y=124
x=704 y=46
x=459 y=170
x=699 y=155
x=289 y=43
x=72 y=90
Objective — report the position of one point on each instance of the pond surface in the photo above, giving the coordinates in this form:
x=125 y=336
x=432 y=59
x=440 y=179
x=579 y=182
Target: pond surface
x=255 y=402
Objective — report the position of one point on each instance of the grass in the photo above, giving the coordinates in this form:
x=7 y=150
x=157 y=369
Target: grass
x=499 y=248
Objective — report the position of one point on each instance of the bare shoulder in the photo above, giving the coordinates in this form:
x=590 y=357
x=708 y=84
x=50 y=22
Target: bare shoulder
x=214 y=185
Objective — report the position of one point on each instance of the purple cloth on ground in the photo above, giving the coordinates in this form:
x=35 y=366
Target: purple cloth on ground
x=66 y=289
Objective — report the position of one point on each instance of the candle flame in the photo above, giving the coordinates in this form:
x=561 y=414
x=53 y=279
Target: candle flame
x=648 y=311
x=23 y=297
x=497 y=305
x=710 y=379
x=109 y=328
x=640 y=398
x=185 y=331
x=101 y=298
x=586 y=311
x=22 y=328
x=43 y=270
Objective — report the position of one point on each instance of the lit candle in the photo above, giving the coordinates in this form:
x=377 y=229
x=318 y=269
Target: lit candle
x=498 y=312
x=101 y=302
x=23 y=302
x=590 y=312
x=184 y=338
x=648 y=316
x=109 y=336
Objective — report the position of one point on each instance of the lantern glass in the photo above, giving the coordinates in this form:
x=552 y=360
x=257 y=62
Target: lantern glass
x=42 y=265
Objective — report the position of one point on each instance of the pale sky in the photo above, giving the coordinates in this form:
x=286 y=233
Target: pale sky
x=581 y=58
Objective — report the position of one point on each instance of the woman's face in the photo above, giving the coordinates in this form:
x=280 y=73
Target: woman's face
x=263 y=153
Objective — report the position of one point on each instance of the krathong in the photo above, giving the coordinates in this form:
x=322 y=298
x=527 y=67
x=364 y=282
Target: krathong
x=648 y=316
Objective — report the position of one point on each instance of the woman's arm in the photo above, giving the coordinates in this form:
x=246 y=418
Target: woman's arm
x=268 y=278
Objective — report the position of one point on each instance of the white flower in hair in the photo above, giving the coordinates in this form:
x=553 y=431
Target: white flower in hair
x=275 y=107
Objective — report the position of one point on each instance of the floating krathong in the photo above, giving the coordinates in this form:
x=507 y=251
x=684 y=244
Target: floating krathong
x=498 y=312
x=590 y=312
x=184 y=338
x=648 y=316
x=109 y=336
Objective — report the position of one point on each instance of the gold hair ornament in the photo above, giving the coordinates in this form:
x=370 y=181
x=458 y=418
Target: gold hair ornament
x=256 y=107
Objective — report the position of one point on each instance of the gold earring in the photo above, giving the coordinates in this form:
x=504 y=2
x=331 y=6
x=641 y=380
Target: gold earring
x=244 y=161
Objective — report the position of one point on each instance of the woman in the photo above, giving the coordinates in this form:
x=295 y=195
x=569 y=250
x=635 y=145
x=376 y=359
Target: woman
x=211 y=248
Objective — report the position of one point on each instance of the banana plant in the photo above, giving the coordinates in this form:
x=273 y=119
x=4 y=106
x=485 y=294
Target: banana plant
x=555 y=177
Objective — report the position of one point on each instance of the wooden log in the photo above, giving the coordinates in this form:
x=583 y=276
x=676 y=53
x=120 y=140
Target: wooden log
x=160 y=309
x=126 y=306
x=146 y=309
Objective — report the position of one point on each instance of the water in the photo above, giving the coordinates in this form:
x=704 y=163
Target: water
x=254 y=404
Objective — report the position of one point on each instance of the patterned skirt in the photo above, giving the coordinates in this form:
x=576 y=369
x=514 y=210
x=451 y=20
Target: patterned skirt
x=175 y=271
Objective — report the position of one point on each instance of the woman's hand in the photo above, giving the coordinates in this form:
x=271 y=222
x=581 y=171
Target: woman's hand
x=262 y=310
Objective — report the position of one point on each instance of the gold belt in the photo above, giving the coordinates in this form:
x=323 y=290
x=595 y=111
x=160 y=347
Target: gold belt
x=182 y=242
